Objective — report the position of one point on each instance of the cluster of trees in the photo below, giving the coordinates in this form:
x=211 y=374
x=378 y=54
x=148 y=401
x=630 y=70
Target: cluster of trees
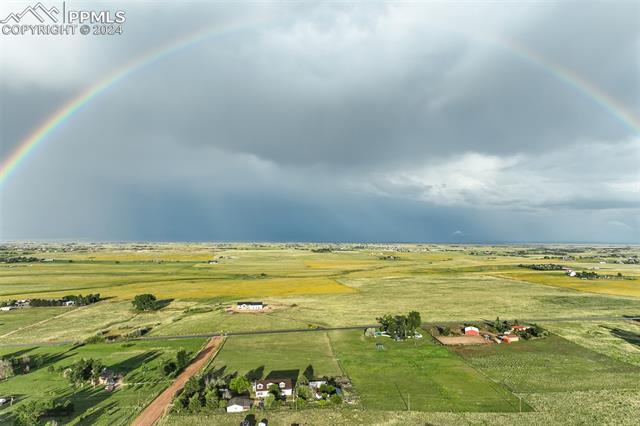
x=543 y=266
x=209 y=393
x=328 y=393
x=321 y=250
x=84 y=370
x=588 y=275
x=145 y=302
x=533 y=332
x=79 y=300
x=201 y=394
x=503 y=326
x=31 y=413
x=171 y=367
x=19 y=259
x=400 y=326
x=389 y=257
x=19 y=365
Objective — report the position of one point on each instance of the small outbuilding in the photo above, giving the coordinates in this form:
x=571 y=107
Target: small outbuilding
x=250 y=306
x=510 y=338
x=238 y=404
x=471 y=331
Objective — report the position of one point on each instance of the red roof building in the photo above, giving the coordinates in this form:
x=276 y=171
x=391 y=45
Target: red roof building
x=510 y=338
x=471 y=331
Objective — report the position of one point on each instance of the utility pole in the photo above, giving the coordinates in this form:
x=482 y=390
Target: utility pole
x=408 y=402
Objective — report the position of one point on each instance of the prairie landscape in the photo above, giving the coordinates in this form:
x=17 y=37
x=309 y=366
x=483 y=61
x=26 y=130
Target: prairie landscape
x=316 y=293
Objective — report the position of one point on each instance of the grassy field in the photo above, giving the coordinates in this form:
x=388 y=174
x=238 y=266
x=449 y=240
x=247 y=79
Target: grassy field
x=560 y=383
x=137 y=360
x=349 y=285
x=274 y=355
x=420 y=376
x=19 y=319
x=618 y=339
x=552 y=364
x=435 y=378
x=630 y=287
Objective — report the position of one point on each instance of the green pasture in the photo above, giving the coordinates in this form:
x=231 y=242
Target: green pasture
x=137 y=360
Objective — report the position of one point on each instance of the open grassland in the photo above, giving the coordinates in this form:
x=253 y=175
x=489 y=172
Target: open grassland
x=587 y=377
x=138 y=361
x=620 y=287
x=281 y=355
x=552 y=364
x=617 y=339
x=11 y=322
x=329 y=289
x=182 y=272
x=418 y=375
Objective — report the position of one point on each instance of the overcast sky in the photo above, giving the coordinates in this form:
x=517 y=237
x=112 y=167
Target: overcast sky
x=332 y=122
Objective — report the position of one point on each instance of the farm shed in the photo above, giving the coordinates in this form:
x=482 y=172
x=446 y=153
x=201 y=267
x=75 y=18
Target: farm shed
x=249 y=306
x=510 y=338
x=471 y=331
x=238 y=404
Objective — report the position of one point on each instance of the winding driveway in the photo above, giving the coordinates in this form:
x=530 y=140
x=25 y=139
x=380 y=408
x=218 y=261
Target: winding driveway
x=159 y=406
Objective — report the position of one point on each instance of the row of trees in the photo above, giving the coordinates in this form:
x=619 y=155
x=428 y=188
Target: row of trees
x=79 y=300
x=19 y=259
x=400 y=327
x=543 y=266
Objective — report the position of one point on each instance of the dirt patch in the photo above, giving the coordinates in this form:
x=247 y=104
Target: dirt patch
x=462 y=340
x=159 y=406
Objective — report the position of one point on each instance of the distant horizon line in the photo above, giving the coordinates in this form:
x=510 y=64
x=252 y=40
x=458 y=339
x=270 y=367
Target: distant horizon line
x=491 y=243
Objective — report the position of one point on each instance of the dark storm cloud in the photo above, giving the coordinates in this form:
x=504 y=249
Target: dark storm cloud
x=333 y=122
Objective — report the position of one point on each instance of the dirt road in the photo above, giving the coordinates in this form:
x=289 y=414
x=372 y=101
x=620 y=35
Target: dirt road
x=157 y=408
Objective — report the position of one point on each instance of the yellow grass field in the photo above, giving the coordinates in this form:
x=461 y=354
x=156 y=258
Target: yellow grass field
x=199 y=289
x=614 y=287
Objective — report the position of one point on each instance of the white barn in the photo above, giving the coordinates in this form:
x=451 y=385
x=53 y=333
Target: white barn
x=249 y=306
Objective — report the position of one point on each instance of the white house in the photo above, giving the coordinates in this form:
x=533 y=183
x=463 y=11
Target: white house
x=238 y=404
x=249 y=306
x=7 y=308
x=261 y=387
x=68 y=303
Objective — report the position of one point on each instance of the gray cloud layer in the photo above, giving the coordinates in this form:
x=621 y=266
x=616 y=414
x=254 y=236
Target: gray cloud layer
x=333 y=122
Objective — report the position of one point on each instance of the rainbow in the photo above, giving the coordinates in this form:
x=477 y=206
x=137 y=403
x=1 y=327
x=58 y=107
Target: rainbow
x=574 y=80
x=66 y=111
